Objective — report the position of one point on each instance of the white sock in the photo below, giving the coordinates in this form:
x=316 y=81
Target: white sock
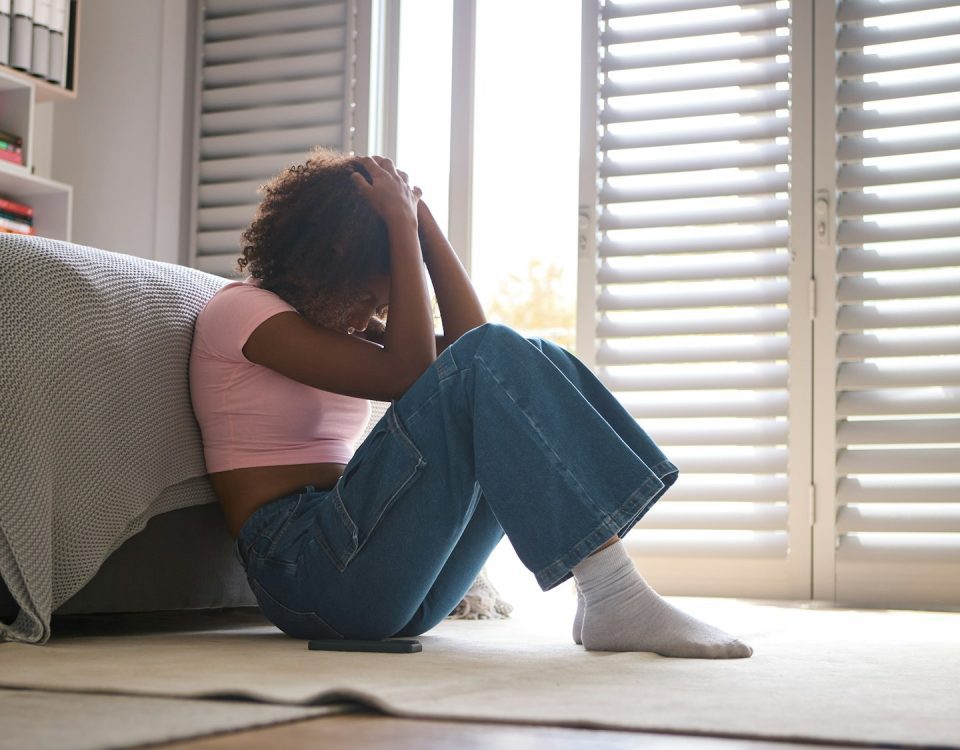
x=578 y=618
x=622 y=613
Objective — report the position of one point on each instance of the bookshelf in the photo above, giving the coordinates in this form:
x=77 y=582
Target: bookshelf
x=19 y=93
x=51 y=92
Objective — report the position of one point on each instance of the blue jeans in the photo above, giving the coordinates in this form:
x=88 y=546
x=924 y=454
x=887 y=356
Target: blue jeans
x=502 y=434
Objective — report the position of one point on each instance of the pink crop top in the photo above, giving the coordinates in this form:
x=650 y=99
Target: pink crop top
x=251 y=415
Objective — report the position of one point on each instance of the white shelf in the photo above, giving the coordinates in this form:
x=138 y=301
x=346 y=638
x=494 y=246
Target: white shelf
x=51 y=201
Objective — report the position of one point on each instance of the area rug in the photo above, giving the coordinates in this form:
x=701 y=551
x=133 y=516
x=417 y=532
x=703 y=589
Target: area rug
x=817 y=674
x=42 y=720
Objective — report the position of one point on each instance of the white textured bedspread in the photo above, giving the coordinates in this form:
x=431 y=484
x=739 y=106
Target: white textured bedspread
x=98 y=434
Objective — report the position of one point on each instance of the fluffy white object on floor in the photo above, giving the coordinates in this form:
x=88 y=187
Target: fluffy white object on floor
x=482 y=602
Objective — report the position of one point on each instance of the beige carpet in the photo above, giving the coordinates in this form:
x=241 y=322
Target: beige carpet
x=816 y=674
x=42 y=720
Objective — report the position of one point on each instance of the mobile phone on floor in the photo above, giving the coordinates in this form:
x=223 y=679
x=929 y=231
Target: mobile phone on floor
x=390 y=646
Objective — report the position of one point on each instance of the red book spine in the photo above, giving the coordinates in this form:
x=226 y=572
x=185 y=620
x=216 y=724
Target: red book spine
x=14 y=156
x=15 y=208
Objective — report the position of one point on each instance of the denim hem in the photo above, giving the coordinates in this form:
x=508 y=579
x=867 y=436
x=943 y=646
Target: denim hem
x=618 y=522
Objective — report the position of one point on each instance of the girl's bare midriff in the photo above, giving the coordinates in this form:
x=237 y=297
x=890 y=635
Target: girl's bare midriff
x=242 y=491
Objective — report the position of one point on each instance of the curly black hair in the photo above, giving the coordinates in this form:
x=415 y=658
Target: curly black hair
x=315 y=241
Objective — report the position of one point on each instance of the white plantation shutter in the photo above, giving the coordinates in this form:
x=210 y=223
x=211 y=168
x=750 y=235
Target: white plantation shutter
x=275 y=79
x=895 y=453
x=700 y=323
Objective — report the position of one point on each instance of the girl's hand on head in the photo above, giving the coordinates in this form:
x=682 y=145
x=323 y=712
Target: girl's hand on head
x=388 y=192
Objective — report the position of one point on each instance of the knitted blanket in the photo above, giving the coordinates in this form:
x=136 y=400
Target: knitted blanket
x=98 y=435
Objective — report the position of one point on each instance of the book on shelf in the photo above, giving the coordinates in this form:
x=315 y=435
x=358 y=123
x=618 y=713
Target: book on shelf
x=21 y=35
x=40 y=51
x=5 y=20
x=16 y=208
x=6 y=230
x=25 y=221
x=17 y=227
x=14 y=157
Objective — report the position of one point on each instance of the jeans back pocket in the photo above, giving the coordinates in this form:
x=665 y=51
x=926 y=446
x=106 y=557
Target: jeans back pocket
x=384 y=466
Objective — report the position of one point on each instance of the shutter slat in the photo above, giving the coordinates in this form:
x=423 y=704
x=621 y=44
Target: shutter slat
x=757 y=237
x=748 y=432
x=750 y=320
x=762 y=546
x=741 y=157
x=743 y=184
x=942 y=519
x=746 y=210
x=744 y=101
x=859 y=260
x=858 y=10
x=859 y=317
x=854 y=148
x=881 y=489
x=225 y=217
x=747 y=74
x=855 y=120
x=276 y=141
x=765 y=292
x=757 y=20
x=219 y=243
x=860 y=65
x=860 y=289
x=271 y=118
x=274 y=22
x=747 y=266
x=864 y=232
x=748 y=349
x=861 y=204
x=898 y=344
x=898 y=401
x=755 y=376
x=218 y=8
x=902 y=461
x=275 y=45
x=853 y=176
x=306 y=90
x=893 y=551
x=855 y=37
x=767 y=127
x=749 y=517
x=650 y=7
x=673 y=406
x=858 y=92
x=230 y=193
x=745 y=49
x=278 y=69
x=899 y=431
x=728 y=489
x=868 y=375
x=259 y=168
x=758 y=460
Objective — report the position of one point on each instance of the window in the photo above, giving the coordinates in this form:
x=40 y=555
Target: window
x=775 y=278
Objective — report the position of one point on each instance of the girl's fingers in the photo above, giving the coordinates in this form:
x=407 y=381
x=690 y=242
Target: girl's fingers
x=360 y=181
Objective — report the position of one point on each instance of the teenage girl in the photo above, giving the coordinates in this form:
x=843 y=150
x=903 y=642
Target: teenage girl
x=489 y=433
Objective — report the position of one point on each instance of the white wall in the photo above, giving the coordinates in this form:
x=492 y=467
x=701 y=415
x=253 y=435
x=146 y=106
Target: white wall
x=124 y=143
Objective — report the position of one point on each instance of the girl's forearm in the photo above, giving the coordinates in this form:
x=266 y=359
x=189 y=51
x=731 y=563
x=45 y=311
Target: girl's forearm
x=460 y=308
x=409 y=331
